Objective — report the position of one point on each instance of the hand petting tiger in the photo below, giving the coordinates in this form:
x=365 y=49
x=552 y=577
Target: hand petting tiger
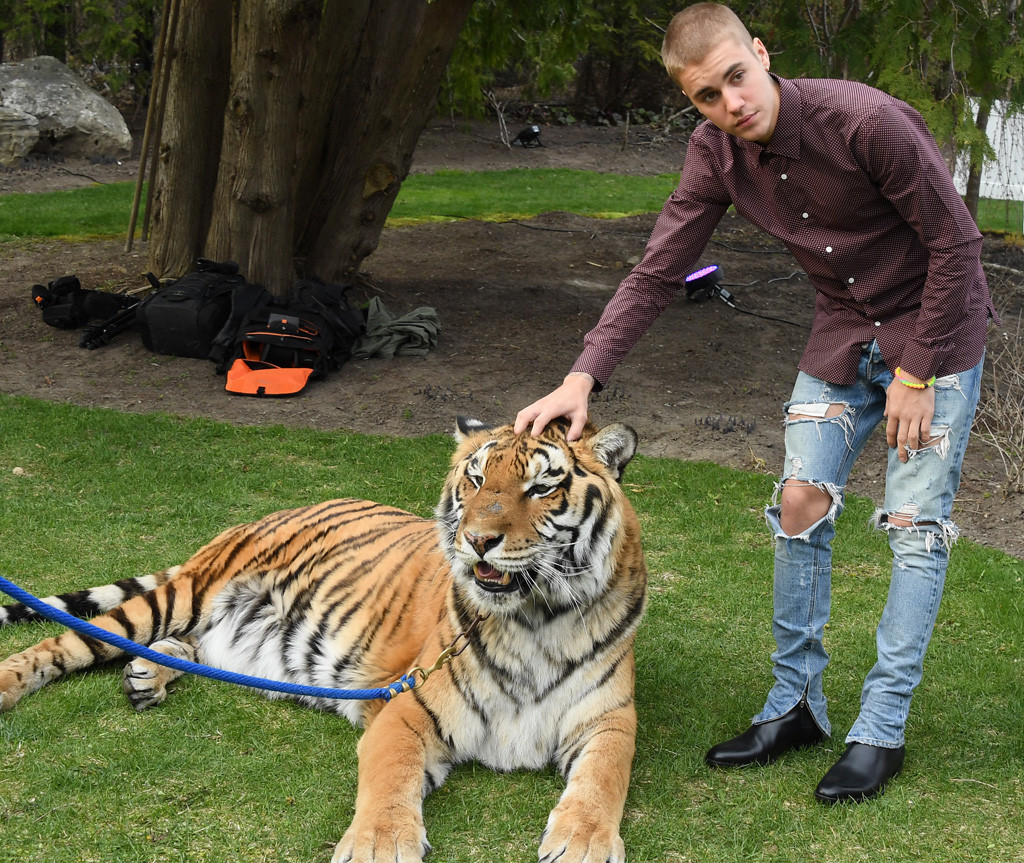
x=533 y=538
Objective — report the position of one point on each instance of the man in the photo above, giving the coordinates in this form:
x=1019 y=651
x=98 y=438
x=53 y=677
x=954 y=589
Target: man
x=852 y=182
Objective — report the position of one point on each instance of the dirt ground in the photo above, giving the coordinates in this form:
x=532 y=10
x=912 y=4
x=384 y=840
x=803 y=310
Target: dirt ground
x=514 y=300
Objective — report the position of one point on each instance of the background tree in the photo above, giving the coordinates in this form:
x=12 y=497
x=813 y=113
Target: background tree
x=111 y=43
x=595 y=57
x=622 y=68
x=289 y=126
x=532 y=47
x=951 y=61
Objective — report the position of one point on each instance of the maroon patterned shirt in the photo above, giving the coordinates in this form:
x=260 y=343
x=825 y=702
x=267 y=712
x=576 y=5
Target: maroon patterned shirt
x=854 y=185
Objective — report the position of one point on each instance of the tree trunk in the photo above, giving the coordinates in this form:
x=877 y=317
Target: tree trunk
x=973 y=190
x=254 y=202
x=190 y=144
x=359 y=151
x=325 y=105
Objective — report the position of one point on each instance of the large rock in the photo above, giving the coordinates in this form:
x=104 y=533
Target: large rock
x=73 y=120
x=19 y=133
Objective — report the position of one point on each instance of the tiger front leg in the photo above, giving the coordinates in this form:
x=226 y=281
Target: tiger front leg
x=400 y=759
x=584 y=826
x=25 y=672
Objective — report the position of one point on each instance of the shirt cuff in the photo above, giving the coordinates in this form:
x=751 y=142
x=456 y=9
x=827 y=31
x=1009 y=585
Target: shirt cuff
x=920 y=361
x=592 y=363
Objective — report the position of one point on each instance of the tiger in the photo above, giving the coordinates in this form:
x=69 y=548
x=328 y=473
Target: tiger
x=532 y=563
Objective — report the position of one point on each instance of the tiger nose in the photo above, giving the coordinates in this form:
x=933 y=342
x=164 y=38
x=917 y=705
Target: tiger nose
x=482 y=543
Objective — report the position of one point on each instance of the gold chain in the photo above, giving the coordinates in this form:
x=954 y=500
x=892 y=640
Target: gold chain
x=451 y=650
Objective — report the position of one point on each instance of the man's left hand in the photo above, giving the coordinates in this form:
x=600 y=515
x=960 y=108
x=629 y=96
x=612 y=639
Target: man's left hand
x=909 y=415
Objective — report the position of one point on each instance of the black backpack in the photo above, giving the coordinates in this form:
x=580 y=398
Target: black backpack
x=279 y=346
x=329 y=301
x=183 y=318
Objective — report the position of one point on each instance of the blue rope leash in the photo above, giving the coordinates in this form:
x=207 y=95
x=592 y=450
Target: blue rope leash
x=403 y=684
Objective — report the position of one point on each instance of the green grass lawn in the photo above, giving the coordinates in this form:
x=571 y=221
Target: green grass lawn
x=494 y=195
x=525 y=192
x=219 y=773
x=94 y=211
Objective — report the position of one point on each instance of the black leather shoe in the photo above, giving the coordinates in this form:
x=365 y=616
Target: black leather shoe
x=861 y=773
x=762 y=744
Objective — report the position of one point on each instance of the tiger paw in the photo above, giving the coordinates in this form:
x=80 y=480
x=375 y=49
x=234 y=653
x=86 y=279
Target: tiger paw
x=579 y=840
x=144 y=683
x=7 y=700
x=382 y=843
x=11 y=689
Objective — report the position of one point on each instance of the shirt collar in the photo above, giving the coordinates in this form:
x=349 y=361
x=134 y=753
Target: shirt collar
x=786 y=136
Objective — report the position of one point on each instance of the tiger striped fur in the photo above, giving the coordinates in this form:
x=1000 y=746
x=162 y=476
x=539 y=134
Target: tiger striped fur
x=533 y=534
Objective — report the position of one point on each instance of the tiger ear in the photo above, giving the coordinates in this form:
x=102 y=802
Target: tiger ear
x=614 y=446
x=465 y=426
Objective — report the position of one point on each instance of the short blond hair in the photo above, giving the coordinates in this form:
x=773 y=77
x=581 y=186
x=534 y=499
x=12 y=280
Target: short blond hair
x=692 y=33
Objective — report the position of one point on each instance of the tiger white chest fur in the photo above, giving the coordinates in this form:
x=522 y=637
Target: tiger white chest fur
x=529 y=690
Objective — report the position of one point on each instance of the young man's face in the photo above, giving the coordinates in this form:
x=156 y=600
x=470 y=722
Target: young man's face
x=732 y=88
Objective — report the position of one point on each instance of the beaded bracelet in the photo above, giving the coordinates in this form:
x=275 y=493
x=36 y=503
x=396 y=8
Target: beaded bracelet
x=898 y=374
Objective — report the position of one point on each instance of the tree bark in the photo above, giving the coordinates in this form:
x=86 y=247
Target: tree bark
x=326 y=101
x=254 y=203
x=385 y=96
x=190 y=145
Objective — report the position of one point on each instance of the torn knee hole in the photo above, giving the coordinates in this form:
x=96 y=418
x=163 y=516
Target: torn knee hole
x=803 y=503
x=807 y=488
x=939 y=440
x=793 y=483
x=938 y=434
x=815 y=410
x=905 y=517
x=797 y=485
x=900 y=520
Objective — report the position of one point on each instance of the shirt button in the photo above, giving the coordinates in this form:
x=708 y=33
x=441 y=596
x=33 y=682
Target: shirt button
x=850 y=280
x=828 y=249
x=785 y=177
x=878 y=323
x=804 y=216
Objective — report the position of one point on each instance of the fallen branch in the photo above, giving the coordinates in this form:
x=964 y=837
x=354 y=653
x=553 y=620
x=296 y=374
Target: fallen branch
x=999 y=268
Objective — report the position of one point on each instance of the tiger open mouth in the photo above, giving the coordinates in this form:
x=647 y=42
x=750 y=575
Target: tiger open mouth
x=494 y=580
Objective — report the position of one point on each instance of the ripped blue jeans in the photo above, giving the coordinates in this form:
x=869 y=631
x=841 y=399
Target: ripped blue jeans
x=821 y=451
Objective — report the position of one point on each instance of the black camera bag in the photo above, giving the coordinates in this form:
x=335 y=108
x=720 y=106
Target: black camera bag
x=281 y=345
x=183 y=319
x=62 y=302
x=65 y=304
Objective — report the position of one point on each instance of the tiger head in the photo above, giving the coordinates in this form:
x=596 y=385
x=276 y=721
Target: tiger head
x=536 y=524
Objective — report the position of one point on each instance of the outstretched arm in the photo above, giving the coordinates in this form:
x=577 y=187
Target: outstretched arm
x=569 y=401
x=681 y=233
